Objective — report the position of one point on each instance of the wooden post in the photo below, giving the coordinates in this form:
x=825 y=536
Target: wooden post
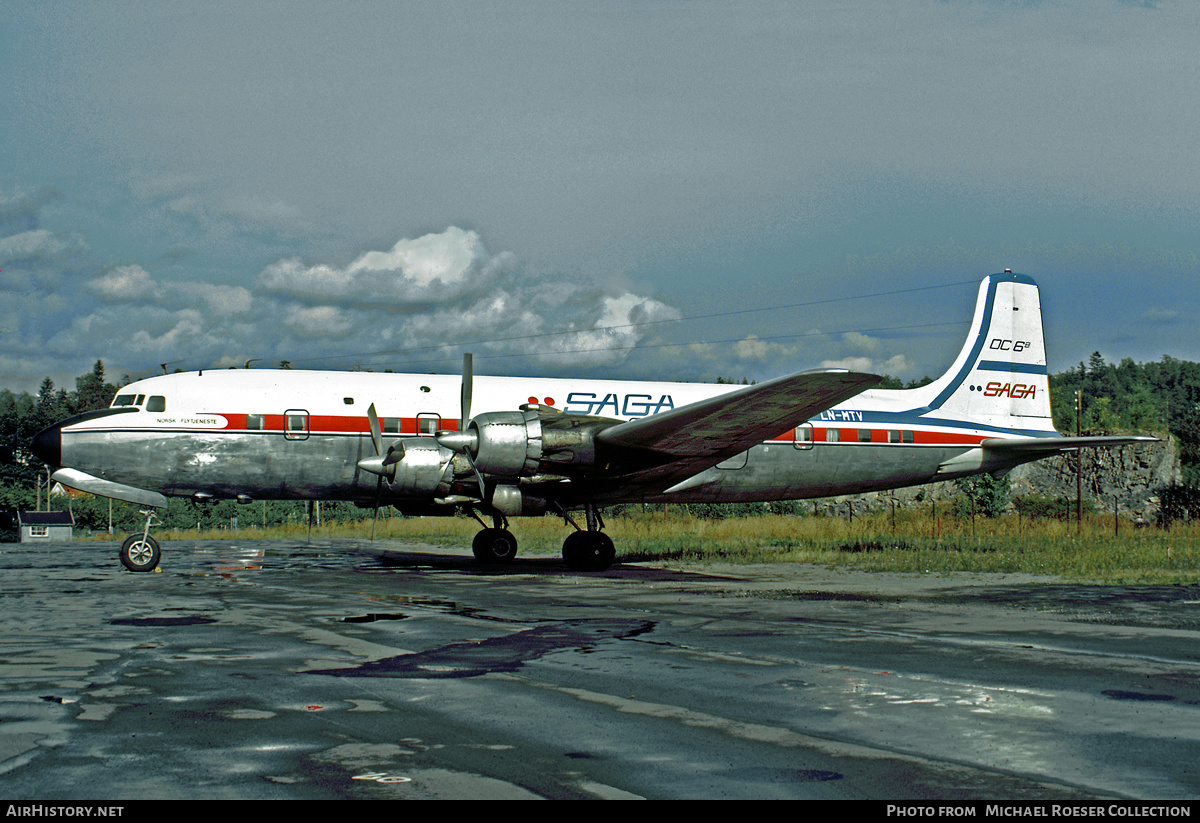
x=1078 y=464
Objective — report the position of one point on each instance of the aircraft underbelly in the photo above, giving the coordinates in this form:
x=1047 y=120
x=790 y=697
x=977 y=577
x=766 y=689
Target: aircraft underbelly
x=782 y=472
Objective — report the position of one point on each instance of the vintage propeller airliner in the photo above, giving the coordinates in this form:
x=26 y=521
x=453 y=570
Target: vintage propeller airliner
x=565 y=445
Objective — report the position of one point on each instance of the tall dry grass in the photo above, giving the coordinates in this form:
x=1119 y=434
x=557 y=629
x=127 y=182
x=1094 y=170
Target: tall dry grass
x=1100 y=549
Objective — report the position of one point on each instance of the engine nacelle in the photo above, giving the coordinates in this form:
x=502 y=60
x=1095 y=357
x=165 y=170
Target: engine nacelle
x=421 y=469
x=508 y=444
x=531 y=442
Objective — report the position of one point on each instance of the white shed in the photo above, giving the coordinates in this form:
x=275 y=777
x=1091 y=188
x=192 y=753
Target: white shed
x=47 y=526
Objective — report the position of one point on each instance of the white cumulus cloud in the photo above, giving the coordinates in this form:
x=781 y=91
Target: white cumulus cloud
x=125 y=283
x=432 y=267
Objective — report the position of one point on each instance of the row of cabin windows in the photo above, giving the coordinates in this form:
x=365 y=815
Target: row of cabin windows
x=156 y=403
x=293 y=421
x=804 y=434
x=297 y=421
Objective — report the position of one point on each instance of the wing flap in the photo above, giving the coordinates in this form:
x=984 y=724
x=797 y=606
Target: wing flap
x=711 y=430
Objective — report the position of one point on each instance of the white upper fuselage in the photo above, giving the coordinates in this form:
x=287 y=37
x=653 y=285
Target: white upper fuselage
x=337 y=402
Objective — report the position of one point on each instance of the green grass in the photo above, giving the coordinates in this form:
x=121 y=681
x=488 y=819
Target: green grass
x=910 y=542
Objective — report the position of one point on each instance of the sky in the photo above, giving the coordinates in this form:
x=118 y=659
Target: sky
x=662 y=190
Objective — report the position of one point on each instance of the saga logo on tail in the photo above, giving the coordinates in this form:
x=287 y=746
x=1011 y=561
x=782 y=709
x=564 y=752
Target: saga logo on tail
x=1017 y=391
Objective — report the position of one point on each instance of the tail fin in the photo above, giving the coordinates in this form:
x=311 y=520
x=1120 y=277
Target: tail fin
x=999 y=377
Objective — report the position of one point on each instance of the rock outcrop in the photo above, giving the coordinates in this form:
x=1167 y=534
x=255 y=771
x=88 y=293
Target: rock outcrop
x=1127 y=477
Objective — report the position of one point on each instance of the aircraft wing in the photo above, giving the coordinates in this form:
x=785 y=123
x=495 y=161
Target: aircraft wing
x=694 y=437
x=1035 y=447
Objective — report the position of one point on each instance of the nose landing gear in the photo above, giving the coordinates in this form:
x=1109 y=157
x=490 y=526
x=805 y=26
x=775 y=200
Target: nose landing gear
x=140 y=552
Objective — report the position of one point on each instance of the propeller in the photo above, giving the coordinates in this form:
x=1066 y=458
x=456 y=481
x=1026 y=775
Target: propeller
x=460 y=442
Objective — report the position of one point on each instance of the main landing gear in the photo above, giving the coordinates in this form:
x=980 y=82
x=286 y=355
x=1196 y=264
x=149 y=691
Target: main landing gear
x=584 y=550
x=140 y=552
x=495 y=544
x=591 y=550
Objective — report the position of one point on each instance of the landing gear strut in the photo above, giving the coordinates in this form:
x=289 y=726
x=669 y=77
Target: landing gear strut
x=591 y=550
x=140 y=552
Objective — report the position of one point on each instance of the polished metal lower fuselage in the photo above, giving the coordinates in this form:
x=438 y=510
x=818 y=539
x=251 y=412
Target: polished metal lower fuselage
x=270 y=466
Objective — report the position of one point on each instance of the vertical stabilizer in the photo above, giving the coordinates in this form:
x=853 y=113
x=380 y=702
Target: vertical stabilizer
x=999 y=377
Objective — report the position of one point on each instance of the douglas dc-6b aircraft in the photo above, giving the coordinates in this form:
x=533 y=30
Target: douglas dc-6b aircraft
x=562 y=445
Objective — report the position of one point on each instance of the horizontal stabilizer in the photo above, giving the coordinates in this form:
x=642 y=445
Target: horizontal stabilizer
x=1028 y=446
x=107 y=488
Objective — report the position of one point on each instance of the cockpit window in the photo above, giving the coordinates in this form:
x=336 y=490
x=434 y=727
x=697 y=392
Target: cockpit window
x=157 y=403
x=123 y=400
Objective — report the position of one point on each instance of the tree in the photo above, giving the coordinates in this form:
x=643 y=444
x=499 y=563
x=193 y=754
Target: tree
x=91 y=392
x=982 y=494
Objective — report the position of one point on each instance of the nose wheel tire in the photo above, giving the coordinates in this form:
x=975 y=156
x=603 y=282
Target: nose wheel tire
x=494 y=546
x=140 y=553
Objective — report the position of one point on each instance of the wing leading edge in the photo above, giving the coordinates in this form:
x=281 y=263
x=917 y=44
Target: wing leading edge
x=702 y=434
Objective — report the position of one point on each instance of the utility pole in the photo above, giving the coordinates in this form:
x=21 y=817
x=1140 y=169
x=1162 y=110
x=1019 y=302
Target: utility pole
x=1078 y=464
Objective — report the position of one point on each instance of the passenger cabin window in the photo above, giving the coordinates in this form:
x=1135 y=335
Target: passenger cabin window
x=864 y=435
x=256 y=421
x=295 y=424
x=391 y=425
x=907 y=435
x=157 y=403
x=804 y=436
x=833 y=435
x=893 y=436
x=428 y=424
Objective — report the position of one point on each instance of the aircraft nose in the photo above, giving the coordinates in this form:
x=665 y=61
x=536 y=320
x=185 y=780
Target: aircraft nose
x=47 y=445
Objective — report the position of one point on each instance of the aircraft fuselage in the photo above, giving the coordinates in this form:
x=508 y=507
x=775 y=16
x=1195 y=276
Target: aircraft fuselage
x=300 y=435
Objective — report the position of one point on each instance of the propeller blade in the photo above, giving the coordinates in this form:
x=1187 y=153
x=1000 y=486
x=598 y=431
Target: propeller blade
x=395 y=453
x=376 y=431
x=478 y=476
x=467 y=380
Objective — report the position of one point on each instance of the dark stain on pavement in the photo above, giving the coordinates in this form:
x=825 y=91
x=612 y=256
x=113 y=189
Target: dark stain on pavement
x=506 y=653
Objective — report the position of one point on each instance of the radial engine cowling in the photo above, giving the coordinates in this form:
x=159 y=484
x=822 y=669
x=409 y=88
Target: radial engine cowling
x=507 y=444
x=418 y=466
